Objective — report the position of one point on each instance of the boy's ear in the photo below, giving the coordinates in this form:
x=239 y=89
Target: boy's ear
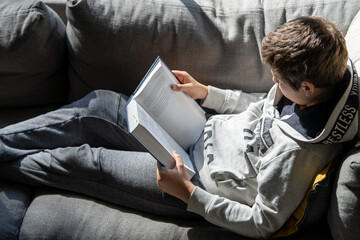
x=308 y=88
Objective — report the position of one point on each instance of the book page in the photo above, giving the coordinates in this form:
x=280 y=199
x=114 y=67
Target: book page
x=177 y=113
x=154 y=138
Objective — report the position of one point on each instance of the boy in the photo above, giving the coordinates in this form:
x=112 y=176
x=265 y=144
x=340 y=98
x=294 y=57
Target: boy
x=255 y=161
x=256 y=166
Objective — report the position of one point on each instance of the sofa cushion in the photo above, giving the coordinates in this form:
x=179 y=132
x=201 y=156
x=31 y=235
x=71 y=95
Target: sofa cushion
x=14 y=200
x=343 y=216
x=65 y=215
x=112 y=43
x=56 y=214
x=32 y=54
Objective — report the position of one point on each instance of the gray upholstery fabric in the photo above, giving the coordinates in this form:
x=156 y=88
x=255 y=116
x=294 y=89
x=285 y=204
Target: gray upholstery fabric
x=88 y=218
x=343 y=216
x=32 y=54
x=14 y=200
x=218 y=42
x=91 y=219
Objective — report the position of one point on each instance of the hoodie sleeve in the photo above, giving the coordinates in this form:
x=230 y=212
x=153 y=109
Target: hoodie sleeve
x=282 y=184
x=229 y=101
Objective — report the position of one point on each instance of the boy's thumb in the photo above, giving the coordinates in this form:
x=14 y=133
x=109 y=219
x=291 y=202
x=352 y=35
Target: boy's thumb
x=176 y=87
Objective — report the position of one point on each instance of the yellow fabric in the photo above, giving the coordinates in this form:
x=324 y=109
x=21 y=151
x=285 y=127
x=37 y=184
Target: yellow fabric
x=292 y=225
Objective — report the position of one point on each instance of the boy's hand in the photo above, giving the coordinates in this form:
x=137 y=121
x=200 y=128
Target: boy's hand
x=175 y=181
x=189 y=85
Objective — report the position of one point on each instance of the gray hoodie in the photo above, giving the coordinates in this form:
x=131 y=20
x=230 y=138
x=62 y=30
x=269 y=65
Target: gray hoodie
x=256 y=161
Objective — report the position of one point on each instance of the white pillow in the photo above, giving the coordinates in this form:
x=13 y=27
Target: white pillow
x=353 y=40
x=353 y=45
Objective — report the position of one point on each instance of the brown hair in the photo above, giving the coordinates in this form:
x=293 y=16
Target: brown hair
x=306 y=49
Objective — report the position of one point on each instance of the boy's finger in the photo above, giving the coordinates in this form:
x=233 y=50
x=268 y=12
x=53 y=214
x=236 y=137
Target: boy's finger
x=160 y=168
x=176 y=155
x=180 y=75
x=159 y=174
x=181 y=87
x=179 y=163
x=176 y=87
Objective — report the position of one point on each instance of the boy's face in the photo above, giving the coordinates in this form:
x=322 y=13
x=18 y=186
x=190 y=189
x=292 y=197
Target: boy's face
x=297 y=96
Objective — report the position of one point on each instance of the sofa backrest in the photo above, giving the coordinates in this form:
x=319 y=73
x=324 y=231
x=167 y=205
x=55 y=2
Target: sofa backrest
x=112 y=43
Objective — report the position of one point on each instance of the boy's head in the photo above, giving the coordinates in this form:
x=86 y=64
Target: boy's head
x=307 y=49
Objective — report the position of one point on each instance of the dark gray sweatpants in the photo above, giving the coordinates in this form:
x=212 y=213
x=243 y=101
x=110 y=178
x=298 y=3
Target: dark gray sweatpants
x=85 y=147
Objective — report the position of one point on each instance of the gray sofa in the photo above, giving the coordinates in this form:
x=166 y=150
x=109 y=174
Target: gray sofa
x=48 y=59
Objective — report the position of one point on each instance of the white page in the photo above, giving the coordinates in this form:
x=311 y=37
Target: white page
x=158 y=140
x=179 y=115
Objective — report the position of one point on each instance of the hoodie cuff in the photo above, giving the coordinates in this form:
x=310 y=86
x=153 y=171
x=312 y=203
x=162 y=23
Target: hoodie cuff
x=215 y=98
x=198 y=200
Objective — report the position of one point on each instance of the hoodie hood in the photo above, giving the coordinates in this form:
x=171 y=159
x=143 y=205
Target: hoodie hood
x=331 y=122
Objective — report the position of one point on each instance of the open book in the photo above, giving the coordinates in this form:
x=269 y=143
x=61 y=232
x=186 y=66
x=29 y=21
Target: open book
x=164 y=120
